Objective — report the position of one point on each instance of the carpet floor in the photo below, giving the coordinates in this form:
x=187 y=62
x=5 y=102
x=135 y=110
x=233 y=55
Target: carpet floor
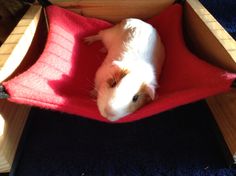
x=181 y=141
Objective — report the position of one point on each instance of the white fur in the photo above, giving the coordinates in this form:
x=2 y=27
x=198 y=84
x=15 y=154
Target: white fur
x=132 y=45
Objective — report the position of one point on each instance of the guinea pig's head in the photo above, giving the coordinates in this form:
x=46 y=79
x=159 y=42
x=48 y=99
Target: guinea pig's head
x=123 y=92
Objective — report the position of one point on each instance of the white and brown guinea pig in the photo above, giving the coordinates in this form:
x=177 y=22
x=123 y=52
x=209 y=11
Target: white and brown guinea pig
x=127 y=78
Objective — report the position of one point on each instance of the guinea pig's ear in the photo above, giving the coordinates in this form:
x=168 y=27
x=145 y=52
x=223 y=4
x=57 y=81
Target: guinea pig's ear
x=150 y=90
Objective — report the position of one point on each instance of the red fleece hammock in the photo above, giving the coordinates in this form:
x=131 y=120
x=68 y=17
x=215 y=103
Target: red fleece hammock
x=63 y=76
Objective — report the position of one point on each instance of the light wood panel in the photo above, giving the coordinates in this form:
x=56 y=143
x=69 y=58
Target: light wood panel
x=210 y=40
x=115 y=11
x=208 y=37
x=13 y=50
x=13 y=118
x=223 y=107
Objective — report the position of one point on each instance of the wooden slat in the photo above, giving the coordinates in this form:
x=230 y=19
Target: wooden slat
x=17 y=44
x=115 y=11
x=210 y=40
x=12 y=53
x=213 y=42
x=223 y=107
x=14 y=117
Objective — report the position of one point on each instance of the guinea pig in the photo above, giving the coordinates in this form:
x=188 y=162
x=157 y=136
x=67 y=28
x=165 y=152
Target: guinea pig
x=128 y=77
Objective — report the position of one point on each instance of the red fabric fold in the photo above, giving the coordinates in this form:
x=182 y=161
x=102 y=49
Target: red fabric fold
x=63 y=76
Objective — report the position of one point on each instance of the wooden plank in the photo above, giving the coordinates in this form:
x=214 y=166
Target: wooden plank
x=223 y=107
x=115 y=11
x=12 y=118
x=14 y=52
x=210 y=40
x=17 y=44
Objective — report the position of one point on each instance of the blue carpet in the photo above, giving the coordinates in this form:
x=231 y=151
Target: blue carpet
x=177 y=142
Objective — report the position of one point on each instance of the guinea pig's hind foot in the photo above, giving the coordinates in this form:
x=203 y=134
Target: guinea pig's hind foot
x=90 y=39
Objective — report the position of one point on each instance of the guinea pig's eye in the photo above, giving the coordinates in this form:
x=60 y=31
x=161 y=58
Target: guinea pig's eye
x=135 y=98
x=111 y=82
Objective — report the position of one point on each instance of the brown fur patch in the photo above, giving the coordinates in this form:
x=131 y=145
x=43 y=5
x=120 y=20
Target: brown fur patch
x=116 y=77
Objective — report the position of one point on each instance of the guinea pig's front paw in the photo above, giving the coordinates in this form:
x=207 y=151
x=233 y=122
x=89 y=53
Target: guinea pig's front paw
x=93 y=93
x=103 y=50
x=90 y=39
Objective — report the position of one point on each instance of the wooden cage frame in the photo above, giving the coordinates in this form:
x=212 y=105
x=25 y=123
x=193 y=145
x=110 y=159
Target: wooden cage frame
x=218 y=47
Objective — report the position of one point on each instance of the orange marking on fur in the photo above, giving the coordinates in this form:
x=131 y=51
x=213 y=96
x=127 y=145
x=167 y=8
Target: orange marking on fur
x=118 y=75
